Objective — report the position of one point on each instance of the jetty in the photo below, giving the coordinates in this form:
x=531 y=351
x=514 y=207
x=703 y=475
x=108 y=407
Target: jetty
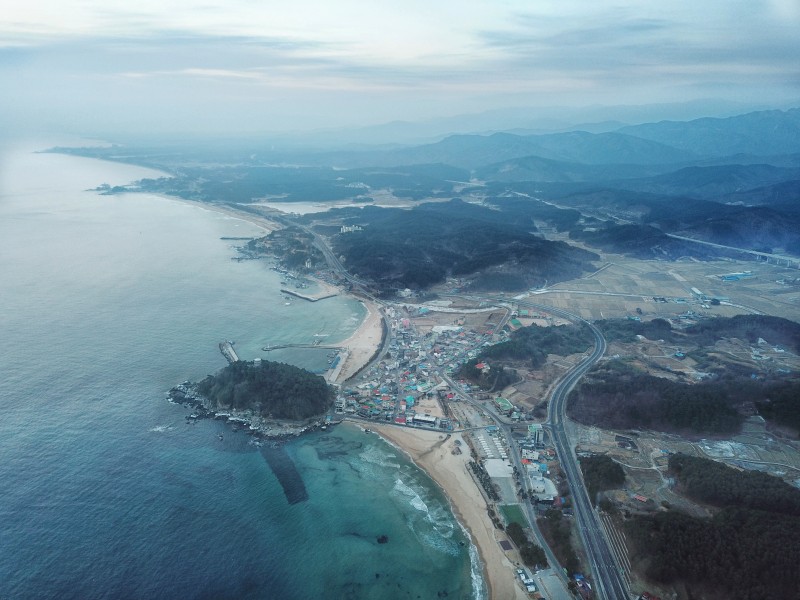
x=228 y=352
x=309 y=298
x=283 y=346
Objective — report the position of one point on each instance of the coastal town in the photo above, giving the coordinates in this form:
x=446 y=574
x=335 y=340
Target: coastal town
x=503 y=456
x=411 y=397
x=400 y=301
x=397 y=376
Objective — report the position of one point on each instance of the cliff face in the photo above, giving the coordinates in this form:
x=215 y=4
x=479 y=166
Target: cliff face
x=268 y=389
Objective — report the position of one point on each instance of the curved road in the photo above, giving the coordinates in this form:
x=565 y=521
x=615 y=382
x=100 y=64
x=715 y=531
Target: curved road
x=608 y=580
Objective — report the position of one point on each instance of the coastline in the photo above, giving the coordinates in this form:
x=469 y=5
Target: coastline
x=159 y=442
x=424 y=448
x=363 y=342
x=186 y=394
x=432 y=453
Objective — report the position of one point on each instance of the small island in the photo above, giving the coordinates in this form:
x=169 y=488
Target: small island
x=273 y=399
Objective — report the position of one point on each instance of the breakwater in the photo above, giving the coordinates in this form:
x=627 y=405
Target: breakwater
x=286 y=473
x=314 y=345
x=309 y=298
x=228 y=352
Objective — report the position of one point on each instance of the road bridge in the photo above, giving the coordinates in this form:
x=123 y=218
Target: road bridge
x=778 y=259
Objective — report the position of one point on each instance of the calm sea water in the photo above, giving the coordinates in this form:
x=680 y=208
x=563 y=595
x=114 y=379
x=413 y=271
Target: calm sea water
x=105 y=490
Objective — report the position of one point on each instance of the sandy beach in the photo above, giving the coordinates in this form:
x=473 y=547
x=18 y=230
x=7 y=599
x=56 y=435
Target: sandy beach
x=365 y=340
x=429 y=450
x=433 y=453
x=325 y=289
x=267 y=224
x=362 y=344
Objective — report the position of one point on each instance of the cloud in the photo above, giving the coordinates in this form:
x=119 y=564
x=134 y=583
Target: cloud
x=618 y=44
x=396 y=58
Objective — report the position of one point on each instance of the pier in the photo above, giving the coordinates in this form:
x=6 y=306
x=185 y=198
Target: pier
x=309 y=298
x=228 y=352
x=284 y=346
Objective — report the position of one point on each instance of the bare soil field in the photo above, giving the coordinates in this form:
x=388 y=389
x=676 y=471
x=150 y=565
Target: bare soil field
x=623 y=284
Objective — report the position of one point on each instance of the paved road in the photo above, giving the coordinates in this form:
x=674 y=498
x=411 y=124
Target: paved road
x=517 y=462
x=608 y=579
x=791 y=261
x=358 y=288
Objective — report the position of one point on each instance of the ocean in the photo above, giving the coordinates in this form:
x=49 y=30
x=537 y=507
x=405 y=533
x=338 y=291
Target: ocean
x=105 y=490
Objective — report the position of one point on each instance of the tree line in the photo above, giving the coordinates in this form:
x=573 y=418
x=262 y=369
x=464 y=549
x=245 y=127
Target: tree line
x=747 y=550
x=270 y=389
x=617 y=396
x=600 y=473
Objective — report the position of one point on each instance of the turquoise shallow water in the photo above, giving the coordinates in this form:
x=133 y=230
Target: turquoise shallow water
x=105 y=490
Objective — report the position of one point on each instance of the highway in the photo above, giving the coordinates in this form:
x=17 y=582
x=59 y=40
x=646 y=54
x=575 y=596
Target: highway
x=790 y=261
x=517 y=462
x=607 y=574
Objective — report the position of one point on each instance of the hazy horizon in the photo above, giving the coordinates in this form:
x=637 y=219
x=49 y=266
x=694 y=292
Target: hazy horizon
x=189 y=67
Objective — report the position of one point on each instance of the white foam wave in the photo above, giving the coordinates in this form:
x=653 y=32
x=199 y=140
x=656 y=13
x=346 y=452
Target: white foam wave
x=373 y=455
x=479 y=591
x=413 y=497
x=433 y=540
x=161 y=428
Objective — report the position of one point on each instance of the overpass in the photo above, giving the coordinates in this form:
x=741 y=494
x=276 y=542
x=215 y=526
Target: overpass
x=777 y=259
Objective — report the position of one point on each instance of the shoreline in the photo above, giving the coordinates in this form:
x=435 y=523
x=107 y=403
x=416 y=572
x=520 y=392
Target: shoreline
x=363 y=343
x=186 y=394
x=448 y=471
x=431 y=452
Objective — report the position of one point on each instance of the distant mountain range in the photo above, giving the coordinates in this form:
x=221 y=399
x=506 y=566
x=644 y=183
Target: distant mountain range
x=732 y=180
x=762 y=133
x=473 y=151
x=709 y=178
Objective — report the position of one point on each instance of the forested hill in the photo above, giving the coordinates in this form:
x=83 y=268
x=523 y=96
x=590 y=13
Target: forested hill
x=421 y=247
x=270 y=389
x=775 y=330
x=747 y=550
x=616 y=395
x=710 y=482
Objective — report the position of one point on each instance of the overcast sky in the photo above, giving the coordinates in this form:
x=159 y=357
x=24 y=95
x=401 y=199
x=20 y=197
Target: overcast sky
x=239 y=65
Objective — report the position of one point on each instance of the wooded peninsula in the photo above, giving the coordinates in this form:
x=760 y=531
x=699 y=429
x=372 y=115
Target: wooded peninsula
x=269 y=389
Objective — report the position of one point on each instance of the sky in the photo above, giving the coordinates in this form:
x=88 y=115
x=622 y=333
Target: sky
x=262 y=65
